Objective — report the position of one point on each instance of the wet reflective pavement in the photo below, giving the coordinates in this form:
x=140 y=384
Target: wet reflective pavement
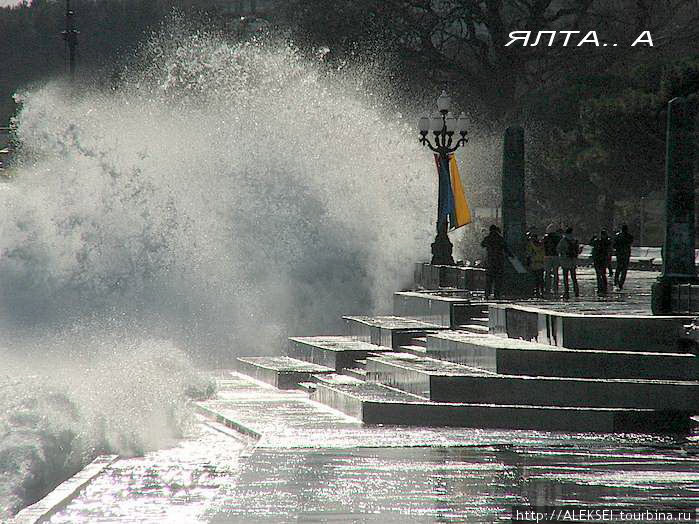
x=634 y=299
x=177 y=484
x=314 y=464
x=450 y=484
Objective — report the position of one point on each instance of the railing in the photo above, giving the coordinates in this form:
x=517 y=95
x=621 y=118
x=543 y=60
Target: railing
x=641 y=257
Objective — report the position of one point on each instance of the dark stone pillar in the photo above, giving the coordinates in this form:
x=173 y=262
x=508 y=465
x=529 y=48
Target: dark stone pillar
x=678 y=250
x=514 y=221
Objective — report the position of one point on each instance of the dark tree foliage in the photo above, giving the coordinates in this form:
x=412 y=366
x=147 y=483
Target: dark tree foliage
x=614 y=149
x=593 y=115
x=462 y=43
x=32 y=48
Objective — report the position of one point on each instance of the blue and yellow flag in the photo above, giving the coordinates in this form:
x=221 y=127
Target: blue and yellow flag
x=455 y=205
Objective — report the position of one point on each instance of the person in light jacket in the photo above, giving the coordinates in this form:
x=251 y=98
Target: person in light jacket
x=536 y=263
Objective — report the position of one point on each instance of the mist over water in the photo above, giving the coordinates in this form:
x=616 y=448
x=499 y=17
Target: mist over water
x=224 y=197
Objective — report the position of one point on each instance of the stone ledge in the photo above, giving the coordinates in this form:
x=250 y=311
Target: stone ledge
x=392 y=322
x=335 y=352
x=588 y=331
x=376 y=404
x=442 y=381
x=280 y=372
x=388 y=331
x=61 y=495
x=446 y=309
x=430 y=276
x=229 y=423
x=520 y=357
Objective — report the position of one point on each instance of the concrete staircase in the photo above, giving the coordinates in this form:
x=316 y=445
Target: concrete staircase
x=453 y=359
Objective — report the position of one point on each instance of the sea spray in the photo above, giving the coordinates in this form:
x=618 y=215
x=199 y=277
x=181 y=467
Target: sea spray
x=81 y=394
x=236 y=192
x=222 y=198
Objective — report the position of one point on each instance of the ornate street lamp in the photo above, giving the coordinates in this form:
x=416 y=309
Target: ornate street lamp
x=443 y=126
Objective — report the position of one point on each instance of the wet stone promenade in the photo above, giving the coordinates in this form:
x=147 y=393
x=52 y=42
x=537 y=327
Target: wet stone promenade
x=313 y=464
x=634 y=299
x=300 y=461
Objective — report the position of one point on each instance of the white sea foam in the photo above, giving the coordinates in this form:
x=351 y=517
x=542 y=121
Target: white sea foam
x=224 y=197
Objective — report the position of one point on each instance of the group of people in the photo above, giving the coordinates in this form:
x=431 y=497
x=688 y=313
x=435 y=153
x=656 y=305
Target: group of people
x=559 y=249
x=602 y=247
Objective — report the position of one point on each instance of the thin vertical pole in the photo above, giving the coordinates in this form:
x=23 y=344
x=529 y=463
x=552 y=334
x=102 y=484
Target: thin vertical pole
x=641 y=240
x=70 y=35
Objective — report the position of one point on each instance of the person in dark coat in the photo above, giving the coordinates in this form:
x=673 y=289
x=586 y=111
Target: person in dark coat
x=601 y=249
x=622 y=246
x=568 y=251
x=495 y=261
x=551 y=260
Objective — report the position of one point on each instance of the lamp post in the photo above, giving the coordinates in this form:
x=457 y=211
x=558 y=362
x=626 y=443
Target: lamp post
x=443 y=125
x=642 y=239
x=70 y=35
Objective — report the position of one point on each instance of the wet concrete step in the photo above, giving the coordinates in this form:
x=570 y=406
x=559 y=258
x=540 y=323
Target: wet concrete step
x=377 y=404
x=336 y=352
x=308 y=387
x=443 y=308
x=459 y=278
x=281 y=372
x=415 y=350
x=418 y=341
x=519 y=357
x=474 y=328
x=388 y=331
x=582 y=331
x=355 y=373
x=442 y=381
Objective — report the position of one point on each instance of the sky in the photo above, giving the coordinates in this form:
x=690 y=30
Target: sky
x=3 y=3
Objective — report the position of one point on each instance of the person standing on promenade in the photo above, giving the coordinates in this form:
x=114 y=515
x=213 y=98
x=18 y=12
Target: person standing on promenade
x=601 y=247
x=495 y=248
x=622 y=246
x=550 y=241
x=568 y=250
x=535 y=263
x=609 y=258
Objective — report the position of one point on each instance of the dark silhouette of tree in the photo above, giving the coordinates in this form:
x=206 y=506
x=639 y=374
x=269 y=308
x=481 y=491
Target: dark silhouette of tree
x=616 y=144
x=462 y=43
x=594 y=115
x=32 y=49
